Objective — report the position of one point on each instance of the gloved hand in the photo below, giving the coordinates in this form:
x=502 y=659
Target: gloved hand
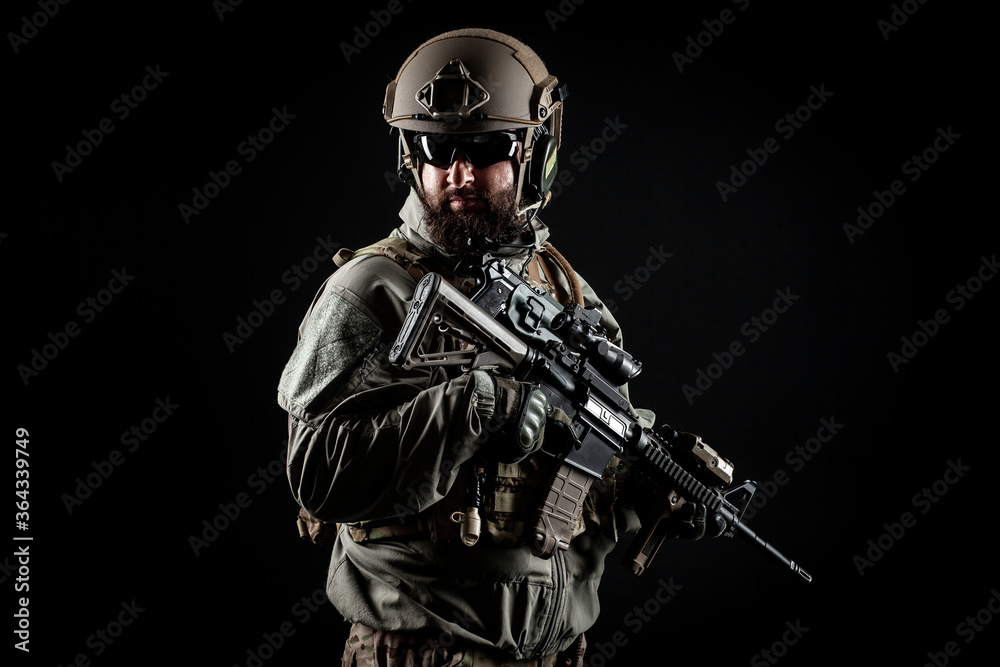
x=691 y=522
x=518 y=424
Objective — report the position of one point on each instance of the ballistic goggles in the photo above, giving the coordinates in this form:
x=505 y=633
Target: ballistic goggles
x=480 y=150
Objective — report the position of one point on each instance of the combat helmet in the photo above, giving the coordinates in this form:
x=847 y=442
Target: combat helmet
x=474 y=81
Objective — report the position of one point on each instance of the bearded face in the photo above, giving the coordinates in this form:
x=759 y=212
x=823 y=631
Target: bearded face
x=459 y=229
x=464 y=205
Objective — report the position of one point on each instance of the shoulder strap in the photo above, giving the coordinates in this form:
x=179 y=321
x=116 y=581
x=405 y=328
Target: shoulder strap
x=576 y=293
x=418 y=265
x=403 y=253
x=544 y=273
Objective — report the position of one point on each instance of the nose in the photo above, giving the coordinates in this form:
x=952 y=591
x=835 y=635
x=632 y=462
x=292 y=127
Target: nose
x=460 y=171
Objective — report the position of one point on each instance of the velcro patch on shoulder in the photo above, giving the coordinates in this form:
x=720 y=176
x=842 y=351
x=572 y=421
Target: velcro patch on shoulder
x=334 y=339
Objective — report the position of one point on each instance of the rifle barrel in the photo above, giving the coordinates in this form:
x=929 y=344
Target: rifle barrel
x=747 y=533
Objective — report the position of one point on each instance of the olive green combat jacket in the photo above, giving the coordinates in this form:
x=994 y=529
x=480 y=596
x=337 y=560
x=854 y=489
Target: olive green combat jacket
x=381 y=448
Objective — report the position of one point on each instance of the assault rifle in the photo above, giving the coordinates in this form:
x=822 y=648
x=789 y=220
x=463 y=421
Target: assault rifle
x=524 y=332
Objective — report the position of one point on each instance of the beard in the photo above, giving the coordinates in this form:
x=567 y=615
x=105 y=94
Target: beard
x=465 y=233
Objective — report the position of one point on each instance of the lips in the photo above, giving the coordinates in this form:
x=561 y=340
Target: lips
x=466 y=202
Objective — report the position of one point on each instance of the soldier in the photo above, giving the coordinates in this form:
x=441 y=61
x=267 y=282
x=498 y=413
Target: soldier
x=385 y=458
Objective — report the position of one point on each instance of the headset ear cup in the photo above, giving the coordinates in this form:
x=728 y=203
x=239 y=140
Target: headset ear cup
x=404 y=175
x=542 y=169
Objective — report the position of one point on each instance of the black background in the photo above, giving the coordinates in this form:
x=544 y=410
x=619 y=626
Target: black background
x=654 y=186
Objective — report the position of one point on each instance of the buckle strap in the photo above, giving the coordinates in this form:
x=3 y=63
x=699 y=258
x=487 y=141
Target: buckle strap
x=367 y=531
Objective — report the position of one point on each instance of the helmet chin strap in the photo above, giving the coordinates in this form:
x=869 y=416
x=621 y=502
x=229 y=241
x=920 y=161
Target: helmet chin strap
x=406 y=165
x=532 y=210
x=484 y=245
x=487 y=244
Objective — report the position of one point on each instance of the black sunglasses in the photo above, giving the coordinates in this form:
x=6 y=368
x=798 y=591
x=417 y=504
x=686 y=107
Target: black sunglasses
x=480 y=150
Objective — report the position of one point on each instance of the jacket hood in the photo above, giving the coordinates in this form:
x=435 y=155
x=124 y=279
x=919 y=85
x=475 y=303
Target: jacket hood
x=415 y=231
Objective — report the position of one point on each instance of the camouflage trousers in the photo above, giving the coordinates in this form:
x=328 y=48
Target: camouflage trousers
x=367 y=647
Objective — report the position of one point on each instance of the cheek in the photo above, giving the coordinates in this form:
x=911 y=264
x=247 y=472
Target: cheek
x=434 y=180
x=499 y=176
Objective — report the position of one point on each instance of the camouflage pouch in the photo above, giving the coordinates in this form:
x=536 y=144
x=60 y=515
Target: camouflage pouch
x=315 y=530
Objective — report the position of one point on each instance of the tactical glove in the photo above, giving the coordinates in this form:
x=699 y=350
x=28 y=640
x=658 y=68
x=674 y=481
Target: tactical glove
x=518 y=424
x=691 y=522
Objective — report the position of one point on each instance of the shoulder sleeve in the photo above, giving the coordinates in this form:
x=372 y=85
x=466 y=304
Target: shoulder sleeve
x=368 y=440
x=357 y=311
x=334 y=336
